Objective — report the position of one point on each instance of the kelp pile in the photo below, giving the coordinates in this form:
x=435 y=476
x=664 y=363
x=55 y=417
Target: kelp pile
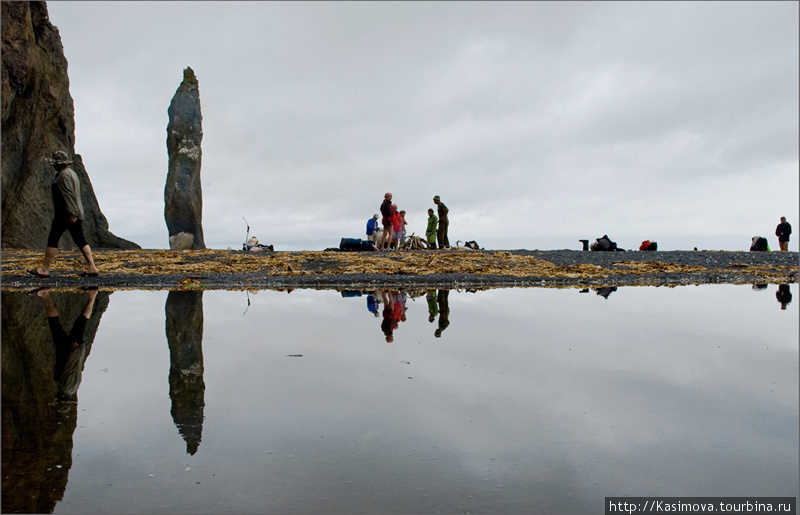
x=228 y=263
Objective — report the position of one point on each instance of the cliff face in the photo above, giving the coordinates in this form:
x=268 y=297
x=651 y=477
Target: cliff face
x=183 y=196
x=38 y=118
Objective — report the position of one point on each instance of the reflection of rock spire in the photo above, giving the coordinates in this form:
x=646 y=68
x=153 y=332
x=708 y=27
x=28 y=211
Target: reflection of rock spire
x=184 y=314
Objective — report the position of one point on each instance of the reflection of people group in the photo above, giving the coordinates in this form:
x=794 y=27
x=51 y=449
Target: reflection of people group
x=395 y=308
x=393 y=222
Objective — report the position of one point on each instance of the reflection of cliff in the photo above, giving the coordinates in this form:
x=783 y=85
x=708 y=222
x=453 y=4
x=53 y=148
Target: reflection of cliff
x=36 y=428
x=184 y=314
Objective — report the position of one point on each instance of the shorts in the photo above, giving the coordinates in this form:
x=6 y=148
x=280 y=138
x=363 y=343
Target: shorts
x=61 y=224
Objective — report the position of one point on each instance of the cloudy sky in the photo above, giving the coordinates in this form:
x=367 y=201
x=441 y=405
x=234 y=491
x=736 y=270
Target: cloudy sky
x=538 y=123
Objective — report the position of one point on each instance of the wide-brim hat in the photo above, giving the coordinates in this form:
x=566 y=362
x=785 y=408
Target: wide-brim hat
x=60 y=158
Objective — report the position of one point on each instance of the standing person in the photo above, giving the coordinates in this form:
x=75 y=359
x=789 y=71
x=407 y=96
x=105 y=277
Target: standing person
x=444 y=242
x=397 y=227
x=372 y=229
x=430 y=232
x=782 y=232
x=402 y=238
x=386 y=221
x=68 y=216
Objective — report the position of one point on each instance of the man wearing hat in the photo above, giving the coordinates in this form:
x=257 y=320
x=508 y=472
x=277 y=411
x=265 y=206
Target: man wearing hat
x=441 y=234
x=68 y=216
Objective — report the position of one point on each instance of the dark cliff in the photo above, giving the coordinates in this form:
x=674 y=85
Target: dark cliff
x=38 y=118
x=183 y=196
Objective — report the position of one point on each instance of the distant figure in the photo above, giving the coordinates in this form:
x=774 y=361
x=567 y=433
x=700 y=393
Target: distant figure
x=372 y=229
x=444 y=242
x=66 y=190
x=403 y=223
x=254 y=246
x=443 y=303
x=372 y=304
x=393 y=311
x=784 y=295
x=430 y=232
x=433 y=307
x=782 y=232
x=397 y=226
x=387 y=221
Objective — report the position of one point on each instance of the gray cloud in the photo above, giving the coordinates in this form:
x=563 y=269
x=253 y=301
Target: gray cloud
x=538 y=122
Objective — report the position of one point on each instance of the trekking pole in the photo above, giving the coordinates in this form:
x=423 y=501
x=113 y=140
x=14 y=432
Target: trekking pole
x=247 y=237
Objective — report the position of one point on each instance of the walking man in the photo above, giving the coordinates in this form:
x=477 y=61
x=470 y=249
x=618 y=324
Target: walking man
x=441 y=235
x=782 y=232
x=387 y=221
x=68 y=216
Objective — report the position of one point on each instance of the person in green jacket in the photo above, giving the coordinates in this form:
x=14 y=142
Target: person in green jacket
x=444 y=222
x=68 y=216
x=430 y=232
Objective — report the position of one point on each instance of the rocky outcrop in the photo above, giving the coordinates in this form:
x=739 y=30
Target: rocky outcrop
x=183 y=196
x=38 y=119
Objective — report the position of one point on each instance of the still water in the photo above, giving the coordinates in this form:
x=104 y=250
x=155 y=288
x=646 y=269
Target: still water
x=498 y=401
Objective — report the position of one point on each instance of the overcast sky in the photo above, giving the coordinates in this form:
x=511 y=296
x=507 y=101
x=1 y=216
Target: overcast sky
x=538 y=123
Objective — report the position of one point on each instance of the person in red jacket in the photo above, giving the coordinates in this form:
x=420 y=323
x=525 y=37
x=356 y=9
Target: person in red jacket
x=387 y=221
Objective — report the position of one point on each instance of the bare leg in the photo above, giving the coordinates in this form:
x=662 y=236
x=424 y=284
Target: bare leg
x=87 y=254
x=87 y=309
x=49 y=307
x=49 y=257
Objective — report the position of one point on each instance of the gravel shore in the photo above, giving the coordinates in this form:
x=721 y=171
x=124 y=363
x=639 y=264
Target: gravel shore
x=458 y=268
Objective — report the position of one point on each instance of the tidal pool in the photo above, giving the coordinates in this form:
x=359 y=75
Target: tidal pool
x=498 y=401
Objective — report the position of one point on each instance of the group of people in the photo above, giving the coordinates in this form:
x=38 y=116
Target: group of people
x=392 y=228
x=69 y=216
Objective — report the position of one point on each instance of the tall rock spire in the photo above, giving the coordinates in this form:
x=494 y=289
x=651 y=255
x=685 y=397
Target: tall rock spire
x=183 y=196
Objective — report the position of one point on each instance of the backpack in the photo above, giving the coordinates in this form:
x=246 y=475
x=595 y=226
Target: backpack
x=648 y=245
x=604 y=243
x=759 y=244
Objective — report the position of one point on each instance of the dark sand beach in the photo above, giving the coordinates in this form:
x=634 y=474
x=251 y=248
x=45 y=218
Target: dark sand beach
x=454 y=268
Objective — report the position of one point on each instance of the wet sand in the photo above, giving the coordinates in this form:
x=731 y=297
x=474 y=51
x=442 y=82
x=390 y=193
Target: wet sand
x=454 y=268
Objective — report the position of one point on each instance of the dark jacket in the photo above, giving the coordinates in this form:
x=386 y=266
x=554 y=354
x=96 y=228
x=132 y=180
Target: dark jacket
x=783 y=231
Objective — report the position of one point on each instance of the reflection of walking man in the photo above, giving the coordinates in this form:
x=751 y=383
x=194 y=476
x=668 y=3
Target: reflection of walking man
x=441 y=235
x=70 y=348
x=782 y=232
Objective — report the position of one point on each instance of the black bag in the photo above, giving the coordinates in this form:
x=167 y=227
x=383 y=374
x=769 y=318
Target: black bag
x=759 y=244
x=355 y=244
x=604 y=243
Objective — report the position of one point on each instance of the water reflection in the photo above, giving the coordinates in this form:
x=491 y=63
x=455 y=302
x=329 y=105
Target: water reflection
x=524 y=412
x=42 y=366
x=784 y=295
x=184 y=328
